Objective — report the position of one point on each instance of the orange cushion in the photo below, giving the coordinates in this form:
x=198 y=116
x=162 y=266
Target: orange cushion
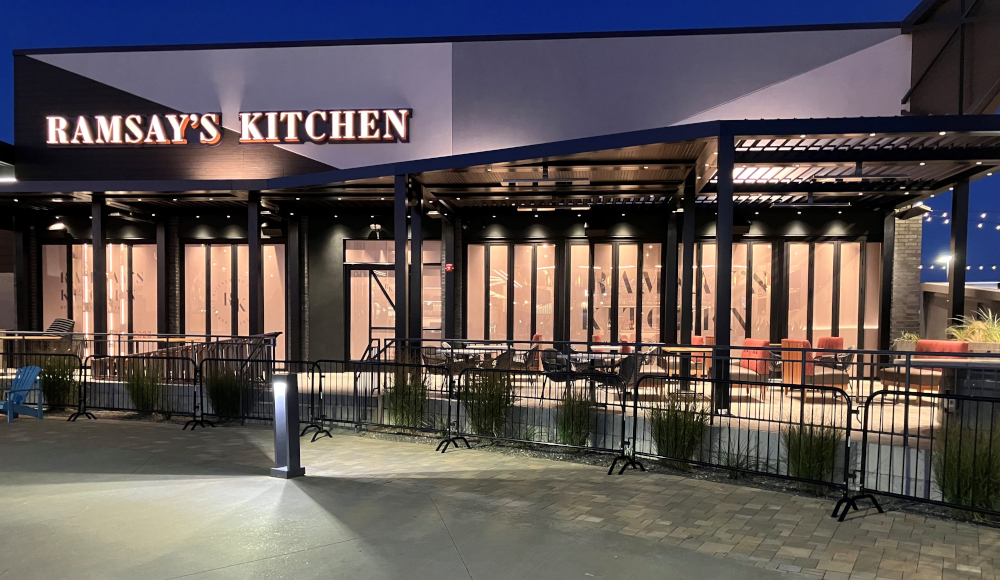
x=927 y=345
x=755 y=358
x=830 y=342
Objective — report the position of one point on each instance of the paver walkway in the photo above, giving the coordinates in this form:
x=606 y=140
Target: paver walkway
x=769 y=529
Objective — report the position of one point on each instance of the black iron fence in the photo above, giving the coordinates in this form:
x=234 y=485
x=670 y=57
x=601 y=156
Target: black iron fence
x=919 y=426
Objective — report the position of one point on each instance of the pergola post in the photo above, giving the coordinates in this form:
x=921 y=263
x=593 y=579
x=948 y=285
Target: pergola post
x=885 y=311
x=293 y=294
x=724 y=266
x=399 y=239
x=687 y=258
x=668 y=308
x=255 y=297
x=162 y=287
x=959 y=244
x=448 y=294
x=99 y=275
x=415 y=296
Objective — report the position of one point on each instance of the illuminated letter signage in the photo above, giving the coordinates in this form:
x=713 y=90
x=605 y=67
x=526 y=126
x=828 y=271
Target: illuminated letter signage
x=319 y=126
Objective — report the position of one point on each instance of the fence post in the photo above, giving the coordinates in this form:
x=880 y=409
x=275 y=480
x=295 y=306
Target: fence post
x=286 y=426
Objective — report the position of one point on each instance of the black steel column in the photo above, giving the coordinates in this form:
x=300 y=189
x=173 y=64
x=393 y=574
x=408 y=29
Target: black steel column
x=668 y=308
x=724 y=266
x=21 y=272
x=161 y=278
x=415 y=297
x=959 y=243
x=885 y=301
x=255 y=296
x=687 y=259
x=399 y=237
x=293 y=293
x=448 y=290
x=99 y=275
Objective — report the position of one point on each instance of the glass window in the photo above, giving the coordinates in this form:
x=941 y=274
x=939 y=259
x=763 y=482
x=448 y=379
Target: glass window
x=55 y=303
x=431 y=250
x=369 y=251
x=850 y=290
x=195 y=302
x=117 y=279
x=798 y=290
x=760 y=292
x=873 y=288
x=628 y=291
x=498 y=292
x=522 y=290
x=603 y=277
x=359 y=313
x=144 y=289
x=823 y=291
x=579 y=280
x=738 y=296
x=651 y=267
x=274 y=294
x=431 y=294
x=243 y=289
x=83 y=291
x=545 y=267
x=221 y=289
x=475 y=315
x=707 y=290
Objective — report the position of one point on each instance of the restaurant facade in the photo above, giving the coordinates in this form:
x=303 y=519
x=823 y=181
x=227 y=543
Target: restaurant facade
x=578 y=187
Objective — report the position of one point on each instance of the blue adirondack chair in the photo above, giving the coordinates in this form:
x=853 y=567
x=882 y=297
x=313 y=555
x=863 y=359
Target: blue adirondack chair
x=25 y=381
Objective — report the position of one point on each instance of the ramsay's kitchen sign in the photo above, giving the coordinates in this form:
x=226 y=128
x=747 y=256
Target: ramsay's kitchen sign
x=344 y=126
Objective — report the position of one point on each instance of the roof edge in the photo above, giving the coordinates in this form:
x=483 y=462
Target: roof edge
x=465 y=38
x=6 y=153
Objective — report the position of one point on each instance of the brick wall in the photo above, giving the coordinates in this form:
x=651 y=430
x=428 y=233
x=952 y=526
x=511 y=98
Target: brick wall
x=906 y=297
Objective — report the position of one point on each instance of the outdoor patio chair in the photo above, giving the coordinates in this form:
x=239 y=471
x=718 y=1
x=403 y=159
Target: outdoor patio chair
x=432 y=358
x=554 y=369
x=751 y=369
x=61 y=326
x=504 y=361
x=24 y=382
x=923 y=378
x=812 y=374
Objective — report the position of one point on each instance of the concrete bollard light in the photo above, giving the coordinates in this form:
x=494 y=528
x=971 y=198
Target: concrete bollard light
x=286 y=427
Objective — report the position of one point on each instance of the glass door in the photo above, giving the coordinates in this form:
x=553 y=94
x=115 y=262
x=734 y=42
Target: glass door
x=371 y=310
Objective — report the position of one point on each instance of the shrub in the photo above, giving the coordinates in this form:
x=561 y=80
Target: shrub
x=58 y=379
x=406 y=397
x=575 y=417
x=983 y=327
x=222 y=386
x=677 y=430
x=811 y=451
x=740 y=457
x=487 y=398
x=966 y=465
x=142 y=381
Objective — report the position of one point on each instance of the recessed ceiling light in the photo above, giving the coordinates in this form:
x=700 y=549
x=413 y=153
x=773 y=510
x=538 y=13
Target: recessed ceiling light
x=922 y=163
x=979 y=162
x=175 y=199
x=802 y=136
x=871 y=134
x=297 y=199
x=227 y=217
x=941 y=133
x=140 y=199
x=645 y=167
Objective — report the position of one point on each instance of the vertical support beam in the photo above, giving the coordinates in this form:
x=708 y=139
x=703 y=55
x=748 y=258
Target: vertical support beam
x=687 y=258
x=885 y=300
x=668 y=308
x=399 y=238
x=21 y=273
x=724 y=265
x=959 y=243
x=99 y=276
x=162 y=287
x=448 y=295
x=293 y=293
x=415 y=297
x=255 y=295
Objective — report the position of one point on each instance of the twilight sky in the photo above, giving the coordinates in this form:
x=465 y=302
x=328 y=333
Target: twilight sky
x=63 y=23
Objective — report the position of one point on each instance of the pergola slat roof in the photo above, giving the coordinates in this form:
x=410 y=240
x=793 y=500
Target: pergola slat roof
x=876 y=162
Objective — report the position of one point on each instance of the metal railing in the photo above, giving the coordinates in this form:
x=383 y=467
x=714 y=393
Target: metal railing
x=918 y=426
